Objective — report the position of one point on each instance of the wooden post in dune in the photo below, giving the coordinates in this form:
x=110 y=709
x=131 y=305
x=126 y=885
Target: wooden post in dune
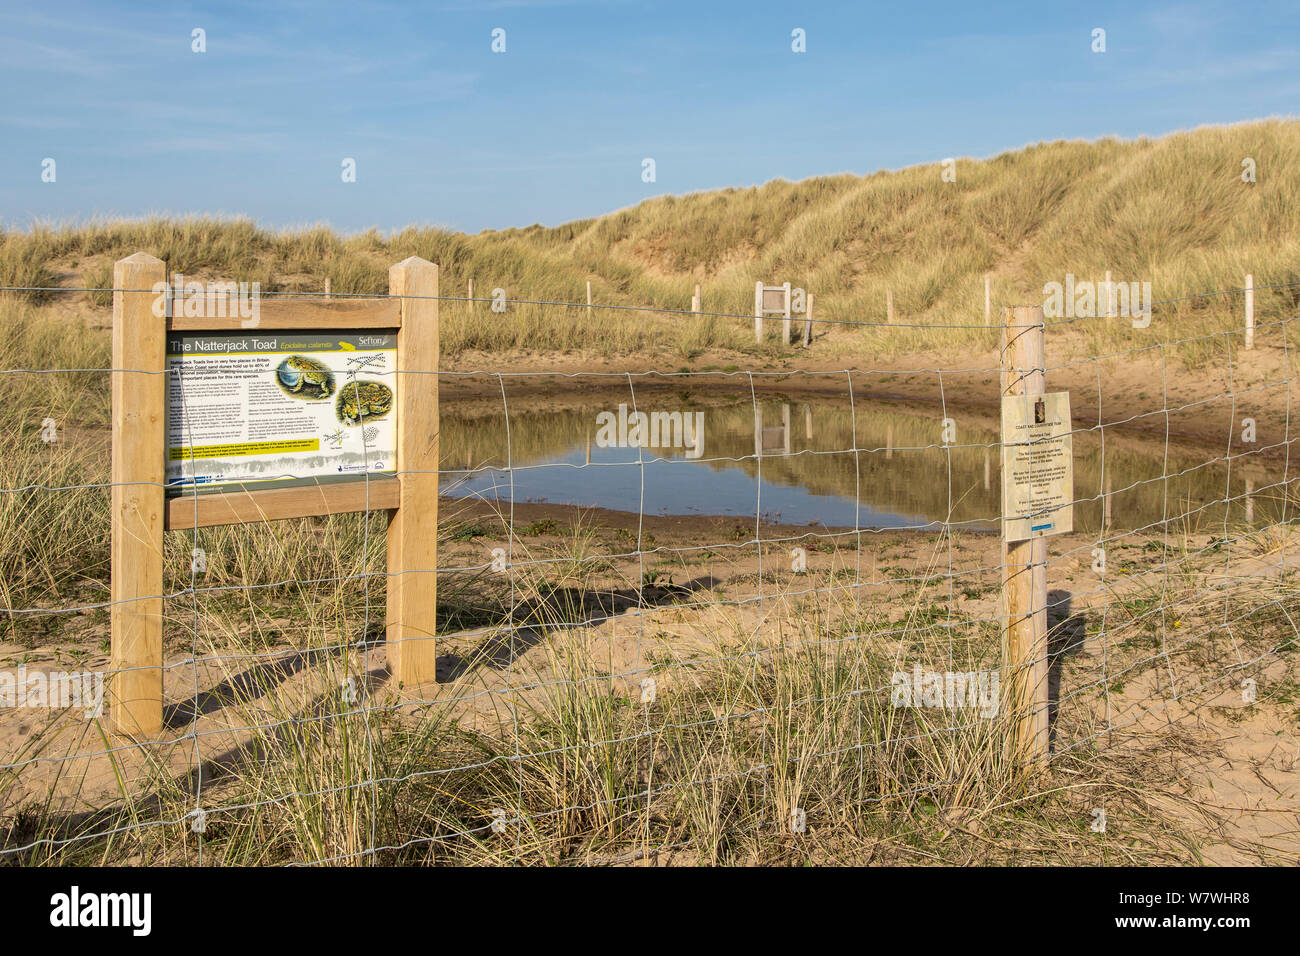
x=889 y=441
x=1250 y=502
x=413 y=525
x=758 y=311
x=1109 y=308
x=469 y=295
x=785 y=322
x=987 y=470
x=807 y=422
x=1024 y=575
x=697 y=303
x=328 y=287
x=988 y=300
x=808 y=321
x=889 y=306
x=1106 y=513
x=588 y=298
x=1250 y=311
x=139 y=397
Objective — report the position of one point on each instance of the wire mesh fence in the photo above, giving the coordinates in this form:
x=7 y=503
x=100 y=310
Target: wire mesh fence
x=673 y=607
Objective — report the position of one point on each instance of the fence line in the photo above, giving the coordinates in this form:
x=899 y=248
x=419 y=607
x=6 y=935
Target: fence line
x=1247 y=289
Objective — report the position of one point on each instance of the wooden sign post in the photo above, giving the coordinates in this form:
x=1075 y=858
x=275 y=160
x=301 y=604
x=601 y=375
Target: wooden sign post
x=139 y=394
x=1024 y=580
x=772 y=300
x=141 y=512
x=413 y=525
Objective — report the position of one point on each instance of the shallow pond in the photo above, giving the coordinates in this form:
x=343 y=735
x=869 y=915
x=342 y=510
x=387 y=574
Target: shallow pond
x=902 y=475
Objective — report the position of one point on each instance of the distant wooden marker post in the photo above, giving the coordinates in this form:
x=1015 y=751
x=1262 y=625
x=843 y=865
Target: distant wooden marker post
x=144 y=425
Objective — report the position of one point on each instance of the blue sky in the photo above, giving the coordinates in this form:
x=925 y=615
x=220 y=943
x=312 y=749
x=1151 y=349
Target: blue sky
x=445 y=132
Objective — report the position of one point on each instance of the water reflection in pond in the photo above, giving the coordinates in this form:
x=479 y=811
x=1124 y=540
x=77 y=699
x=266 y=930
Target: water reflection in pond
x=806 y=472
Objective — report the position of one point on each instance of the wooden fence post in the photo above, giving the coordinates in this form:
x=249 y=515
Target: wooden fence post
x=758 y=311
x=697 y=302
x=785 y=322
x=469 y=296
x=1110 y=297
x=413 y=526
x=588 y=298
x=139 y=396
x=1250 y=311
x=808 y=321
x=889 y=306
x=328 y=287
x=1024 y=580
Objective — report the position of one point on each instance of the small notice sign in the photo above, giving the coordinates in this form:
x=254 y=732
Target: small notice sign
x=1037 y=466
x=264 y=409
x=774 y=299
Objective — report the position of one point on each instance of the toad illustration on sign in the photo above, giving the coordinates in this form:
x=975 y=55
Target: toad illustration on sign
x=304 y=378
x=363 y=400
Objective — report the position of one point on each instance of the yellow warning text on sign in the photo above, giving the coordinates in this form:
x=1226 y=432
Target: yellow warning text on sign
x=243 y=449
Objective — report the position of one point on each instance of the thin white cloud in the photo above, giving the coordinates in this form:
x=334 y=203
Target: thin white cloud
x=27 y=57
